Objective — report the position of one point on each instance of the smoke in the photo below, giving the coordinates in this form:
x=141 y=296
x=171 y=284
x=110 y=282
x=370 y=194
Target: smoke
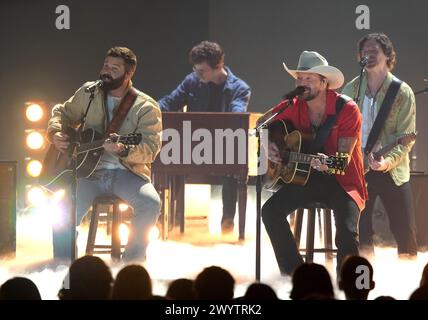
x=202 y=245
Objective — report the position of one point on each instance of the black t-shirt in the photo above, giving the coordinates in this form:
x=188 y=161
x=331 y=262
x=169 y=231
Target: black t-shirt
x=216 y=97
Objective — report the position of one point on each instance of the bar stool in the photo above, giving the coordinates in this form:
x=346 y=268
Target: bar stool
x=309 y=250
x=113 y=216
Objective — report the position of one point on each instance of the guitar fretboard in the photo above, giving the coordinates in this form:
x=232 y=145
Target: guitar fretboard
x=97 y=144
x=301 y=157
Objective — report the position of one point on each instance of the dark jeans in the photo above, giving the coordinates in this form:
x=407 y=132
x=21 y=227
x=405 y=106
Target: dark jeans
x=320 y=188
x=398 y=204
x=229 y=194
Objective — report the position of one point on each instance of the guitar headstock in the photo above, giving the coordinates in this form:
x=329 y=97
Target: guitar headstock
x=407 y=138
x=337 y=163
x=130 y=139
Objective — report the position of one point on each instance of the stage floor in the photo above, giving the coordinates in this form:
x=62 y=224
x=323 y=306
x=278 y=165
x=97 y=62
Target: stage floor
x=202 y=245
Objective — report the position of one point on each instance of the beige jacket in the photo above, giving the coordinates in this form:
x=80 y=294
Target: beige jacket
x=144 y=117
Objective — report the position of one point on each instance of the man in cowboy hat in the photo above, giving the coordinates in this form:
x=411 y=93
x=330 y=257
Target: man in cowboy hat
x=320 y=111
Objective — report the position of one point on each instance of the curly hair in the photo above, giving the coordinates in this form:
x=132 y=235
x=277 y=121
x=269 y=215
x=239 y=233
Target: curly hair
x=209 y=52
x=386 y=45
x=126 y=54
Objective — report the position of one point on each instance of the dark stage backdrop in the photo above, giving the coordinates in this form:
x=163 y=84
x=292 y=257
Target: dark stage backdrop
x=38 y=61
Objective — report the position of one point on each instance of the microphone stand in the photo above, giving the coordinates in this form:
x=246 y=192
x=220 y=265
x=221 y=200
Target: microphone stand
x=357 y=97
x=257 y=130
x=73 y=186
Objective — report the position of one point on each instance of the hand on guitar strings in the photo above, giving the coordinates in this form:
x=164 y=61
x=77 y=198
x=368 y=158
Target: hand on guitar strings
x=318 y=164
x=273 y=153
x=377 y=165
x=61 y=141
x=111 y=146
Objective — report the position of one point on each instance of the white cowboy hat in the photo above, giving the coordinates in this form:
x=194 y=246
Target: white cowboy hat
x=313 y=62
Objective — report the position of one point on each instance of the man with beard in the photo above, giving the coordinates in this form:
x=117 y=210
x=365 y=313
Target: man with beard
x=345 y=194
x=122 y=170
x=388 y=178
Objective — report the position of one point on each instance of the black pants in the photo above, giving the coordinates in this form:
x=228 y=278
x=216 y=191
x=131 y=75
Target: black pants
x=398 y=203
x=320 y=188
x=229 y=194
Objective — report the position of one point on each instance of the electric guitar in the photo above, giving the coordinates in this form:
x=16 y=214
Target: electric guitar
x=57 y=170
x=404 y=140
x=296 y=165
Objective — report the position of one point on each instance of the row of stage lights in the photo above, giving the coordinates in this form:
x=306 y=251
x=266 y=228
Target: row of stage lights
x=35 y=141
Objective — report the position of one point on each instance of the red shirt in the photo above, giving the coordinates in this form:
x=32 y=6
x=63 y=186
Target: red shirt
x=348 y=124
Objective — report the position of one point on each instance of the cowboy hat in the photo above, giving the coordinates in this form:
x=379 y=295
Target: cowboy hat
x=313 y=62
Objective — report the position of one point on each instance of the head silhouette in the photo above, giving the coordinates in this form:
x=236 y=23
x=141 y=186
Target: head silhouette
x=356 y=278
x=260 y=291
x=132 y=283
x=89 y=278
x=19 y=289
x=181 y=289
x=311 y=280
x=214 y=283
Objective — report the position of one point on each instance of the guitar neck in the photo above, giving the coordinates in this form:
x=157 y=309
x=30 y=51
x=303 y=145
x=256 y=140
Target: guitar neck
x=384 y=150
x=301 y=157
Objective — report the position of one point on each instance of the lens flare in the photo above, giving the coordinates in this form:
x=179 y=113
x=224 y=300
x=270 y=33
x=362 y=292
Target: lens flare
x=36 y=196
x=34 y=167
x=35 y=140
x=34 y=112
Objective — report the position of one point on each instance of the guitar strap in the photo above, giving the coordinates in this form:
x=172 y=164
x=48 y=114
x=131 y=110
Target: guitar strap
x=383 y=114
x=323 y=132
x=126 y=104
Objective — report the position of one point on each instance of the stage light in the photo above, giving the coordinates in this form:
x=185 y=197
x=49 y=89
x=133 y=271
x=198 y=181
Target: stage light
x=36 y=196
x=58 y=195
x=154 y=234
x=34 y=112
x=34 y=167
x=123 y=233
x=123 y=207
x=35 y=140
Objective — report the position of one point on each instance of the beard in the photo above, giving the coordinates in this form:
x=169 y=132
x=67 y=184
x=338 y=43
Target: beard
x=309 y=95
x=109 y=83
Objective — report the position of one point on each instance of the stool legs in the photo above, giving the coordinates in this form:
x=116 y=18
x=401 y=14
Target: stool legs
x=310 y=233
x=115 y=236
x=298 y=221
x=92 y=230
x=310 y=236
x=115 y=214
x=328 y=235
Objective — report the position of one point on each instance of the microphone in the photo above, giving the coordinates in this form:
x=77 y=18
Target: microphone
x=296 y=92
x=94 y=85
x=364 y=60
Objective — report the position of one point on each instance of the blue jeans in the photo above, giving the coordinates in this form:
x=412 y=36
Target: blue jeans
x=137 y=192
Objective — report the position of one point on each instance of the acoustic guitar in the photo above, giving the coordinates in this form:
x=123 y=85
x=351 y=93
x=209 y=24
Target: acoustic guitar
x=296 y=165
x=57 y=168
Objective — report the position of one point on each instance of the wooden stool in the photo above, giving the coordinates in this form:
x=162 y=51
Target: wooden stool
x=310 y=231
x=115 y=216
